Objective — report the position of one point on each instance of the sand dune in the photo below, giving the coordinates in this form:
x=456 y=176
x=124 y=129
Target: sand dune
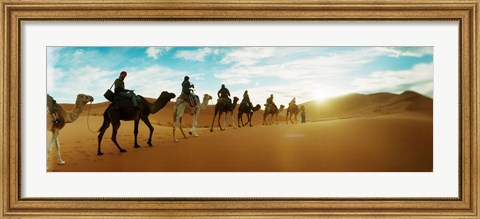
x=360 y=105
x=376 y=132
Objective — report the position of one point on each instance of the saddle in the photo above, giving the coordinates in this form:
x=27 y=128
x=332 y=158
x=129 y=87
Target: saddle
x=268 y=106
x=122 y=101
x=192 y=99
x=226 y=102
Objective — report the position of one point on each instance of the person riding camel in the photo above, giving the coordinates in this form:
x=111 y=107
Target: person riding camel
x=246 y=100
x=121 y=91
x=224 y=93
x=293 y=102
x=186 y=85
x=270 y=100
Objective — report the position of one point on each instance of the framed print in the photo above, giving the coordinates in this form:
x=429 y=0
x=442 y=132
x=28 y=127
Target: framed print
x=251 y=109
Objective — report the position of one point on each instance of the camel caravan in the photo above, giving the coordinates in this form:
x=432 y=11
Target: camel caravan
x=127 y=106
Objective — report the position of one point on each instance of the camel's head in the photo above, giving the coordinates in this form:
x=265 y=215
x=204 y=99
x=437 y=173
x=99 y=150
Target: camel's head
x=282 y=107
x=83 y=99
x=235 y=99
x=167 y=95
x=207 y=97
x=257 y=107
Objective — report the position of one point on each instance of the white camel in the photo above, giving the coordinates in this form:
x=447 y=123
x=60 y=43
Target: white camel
x=181 y=107
x=63 y=117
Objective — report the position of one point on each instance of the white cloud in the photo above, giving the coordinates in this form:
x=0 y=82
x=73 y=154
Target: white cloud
x=248 y=55
x=196 y=55
x=233 y=81
x=419 y=79
x=312 y=68
x=154 y=52
x=407 y=51
x=148 y=82
x=78 y=53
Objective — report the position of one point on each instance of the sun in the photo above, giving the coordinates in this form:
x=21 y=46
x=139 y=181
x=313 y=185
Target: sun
x=322 y=95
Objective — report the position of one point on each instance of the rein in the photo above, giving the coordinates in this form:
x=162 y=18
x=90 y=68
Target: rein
x=88 y=117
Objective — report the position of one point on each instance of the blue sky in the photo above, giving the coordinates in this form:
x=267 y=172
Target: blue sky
x=307 y=73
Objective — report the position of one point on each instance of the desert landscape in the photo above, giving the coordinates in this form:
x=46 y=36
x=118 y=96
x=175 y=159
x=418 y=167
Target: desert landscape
x=380 y=132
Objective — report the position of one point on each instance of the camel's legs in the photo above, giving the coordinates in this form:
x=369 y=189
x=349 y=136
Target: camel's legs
x=193 y=130
x=115 y=127
x=59 y=161
x=135 y=132
x=219 y=117
x=243 y=123
x=213 y=120
x=249 y=115
x=52 y=141
x=240 y=119
x=233 y=121
x=100 y=136
x=174 y=138
x=103 y=128
x=49 y=148
x=225 y=120
x=175 y=121
x=180 y=127
x=147 y=122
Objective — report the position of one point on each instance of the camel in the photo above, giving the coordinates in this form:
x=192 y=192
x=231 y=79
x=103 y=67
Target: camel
x=114 y=115
x=181 y=107
x=224 y=107
x=292 y=110
x=272 y=109
x=64 y=117
x=245 y=108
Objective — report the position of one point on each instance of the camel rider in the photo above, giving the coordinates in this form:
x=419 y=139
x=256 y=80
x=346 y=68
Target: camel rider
x=121 y=91
x=246 y=100
x=52 y=109
x=270 y=100
x=293 y=102
x=186 y=85
x=224 y=93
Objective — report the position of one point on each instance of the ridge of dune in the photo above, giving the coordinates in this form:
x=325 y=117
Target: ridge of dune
x=346 y=106
x=377 y=104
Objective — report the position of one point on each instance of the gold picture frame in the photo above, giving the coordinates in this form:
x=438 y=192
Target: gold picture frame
x=14 y=12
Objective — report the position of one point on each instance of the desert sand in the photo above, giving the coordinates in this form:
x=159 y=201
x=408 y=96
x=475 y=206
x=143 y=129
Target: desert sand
x=353 y=133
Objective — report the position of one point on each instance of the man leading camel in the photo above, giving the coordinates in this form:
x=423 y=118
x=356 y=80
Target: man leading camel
x=121 y=91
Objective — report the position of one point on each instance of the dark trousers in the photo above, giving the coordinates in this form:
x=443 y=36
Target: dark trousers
x=129 y=95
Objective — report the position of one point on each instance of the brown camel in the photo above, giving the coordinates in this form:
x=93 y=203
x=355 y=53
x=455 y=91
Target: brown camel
x=223 y=106
x=292 y=110
x=245 y=108
x=63 y=117
x=272 y=109
x=114 y=115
